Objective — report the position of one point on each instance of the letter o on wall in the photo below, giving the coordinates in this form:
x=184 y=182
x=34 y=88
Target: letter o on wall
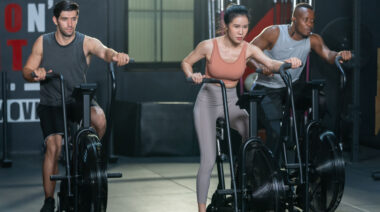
x=13 y=17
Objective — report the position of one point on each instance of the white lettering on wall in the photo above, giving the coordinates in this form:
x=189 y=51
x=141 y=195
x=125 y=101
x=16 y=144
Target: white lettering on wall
x=32 y=86
x=21 y=110
x=36 y=17
x=50 y=4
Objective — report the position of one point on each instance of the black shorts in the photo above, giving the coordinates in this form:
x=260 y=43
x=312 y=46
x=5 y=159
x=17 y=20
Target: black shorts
x=51 y=117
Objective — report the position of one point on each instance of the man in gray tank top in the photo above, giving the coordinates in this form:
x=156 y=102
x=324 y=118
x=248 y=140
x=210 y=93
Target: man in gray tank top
x=280 y=42
x=66 y=52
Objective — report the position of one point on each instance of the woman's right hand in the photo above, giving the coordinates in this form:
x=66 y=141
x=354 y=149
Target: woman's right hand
x=197 y=77
x=266 y=71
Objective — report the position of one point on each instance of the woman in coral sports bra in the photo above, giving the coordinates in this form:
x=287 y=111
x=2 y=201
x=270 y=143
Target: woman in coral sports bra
x=226 y=58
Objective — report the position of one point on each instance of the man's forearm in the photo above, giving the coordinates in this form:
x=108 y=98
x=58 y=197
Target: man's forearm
x=26 y=73
x=109 y=54
x=331 y=57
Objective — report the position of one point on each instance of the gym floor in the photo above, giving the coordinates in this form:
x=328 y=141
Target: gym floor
x=168 y=184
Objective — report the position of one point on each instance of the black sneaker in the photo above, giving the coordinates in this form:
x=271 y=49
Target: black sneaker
x=49 y=205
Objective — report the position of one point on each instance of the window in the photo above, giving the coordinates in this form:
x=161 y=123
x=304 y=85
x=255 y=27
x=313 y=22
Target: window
x=160 y=31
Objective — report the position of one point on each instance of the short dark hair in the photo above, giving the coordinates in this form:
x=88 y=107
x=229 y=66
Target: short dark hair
x=65 y=6
x=234 y=10
x=302 y=5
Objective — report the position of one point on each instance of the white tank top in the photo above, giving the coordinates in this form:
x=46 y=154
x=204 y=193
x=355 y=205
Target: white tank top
x=285 y=48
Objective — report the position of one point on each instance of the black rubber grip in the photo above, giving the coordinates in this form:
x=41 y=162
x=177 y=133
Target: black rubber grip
x=114 y=175
x=259 y=70
x=206 y=80
x=47 y=76
x=285 y=66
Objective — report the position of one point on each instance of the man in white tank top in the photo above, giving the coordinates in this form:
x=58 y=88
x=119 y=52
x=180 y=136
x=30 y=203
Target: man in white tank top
x=284 y=41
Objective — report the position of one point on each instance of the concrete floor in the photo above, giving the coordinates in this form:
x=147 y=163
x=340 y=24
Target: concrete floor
x=166 y=185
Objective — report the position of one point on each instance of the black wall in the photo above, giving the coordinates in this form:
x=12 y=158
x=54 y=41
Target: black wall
x=338 y=18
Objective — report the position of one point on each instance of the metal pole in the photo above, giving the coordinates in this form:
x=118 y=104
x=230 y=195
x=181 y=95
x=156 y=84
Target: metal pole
x=5 y=162
x=110 y=145
x=274 y=12
x=209 y=18
x=282 y=11
x=356 y=83
x=213 y=18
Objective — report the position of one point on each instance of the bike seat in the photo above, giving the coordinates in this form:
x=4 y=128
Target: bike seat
x=316 y=84
x=84 y=88
x=255 y=95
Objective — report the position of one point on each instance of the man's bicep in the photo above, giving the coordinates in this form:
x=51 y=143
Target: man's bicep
x=261 y=42
x=33 y=62
x=319 y=47
x=95 y=47
x=267 y=38
x=35 y=57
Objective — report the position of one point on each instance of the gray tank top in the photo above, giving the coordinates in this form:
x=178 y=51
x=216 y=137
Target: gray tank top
x=284 y=48
x=69 y=61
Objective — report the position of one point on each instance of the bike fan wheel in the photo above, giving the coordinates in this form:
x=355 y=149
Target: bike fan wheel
x=93 y=188
x=327 y=174
x=266 y=187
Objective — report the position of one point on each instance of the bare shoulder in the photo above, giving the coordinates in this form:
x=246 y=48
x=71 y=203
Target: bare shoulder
x=205 y=46
x=90 y=41
x=39 y=39
x=270 y=33
x=316 y=39
x=38 y=45
x=91 y=44
x=267 y=38
x=272 y=29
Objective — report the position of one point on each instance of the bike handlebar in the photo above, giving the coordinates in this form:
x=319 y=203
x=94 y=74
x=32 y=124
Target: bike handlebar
x=49 y=75
x=207 y=80
x=283 y=67
x=342 y=72
x=56 y=75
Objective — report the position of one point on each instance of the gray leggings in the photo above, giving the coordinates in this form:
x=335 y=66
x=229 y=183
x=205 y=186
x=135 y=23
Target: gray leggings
x=208 y=107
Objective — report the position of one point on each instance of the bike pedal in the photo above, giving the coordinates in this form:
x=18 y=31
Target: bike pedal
x=224 y=191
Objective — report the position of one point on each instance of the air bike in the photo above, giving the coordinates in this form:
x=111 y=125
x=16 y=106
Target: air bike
x=84 y=186
x=310 y=176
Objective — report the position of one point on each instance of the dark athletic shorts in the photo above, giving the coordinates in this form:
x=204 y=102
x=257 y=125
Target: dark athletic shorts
x=51 y=117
